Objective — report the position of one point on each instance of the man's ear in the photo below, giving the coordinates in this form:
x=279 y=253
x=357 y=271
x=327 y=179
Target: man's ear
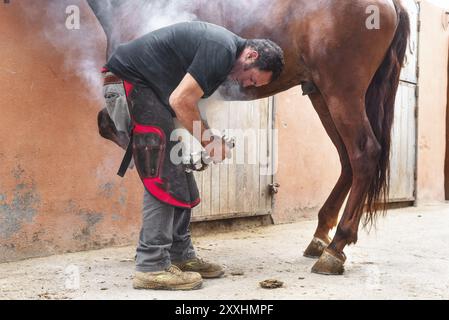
x=253 y=55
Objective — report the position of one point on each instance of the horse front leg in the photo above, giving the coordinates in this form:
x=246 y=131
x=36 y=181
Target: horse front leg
x=328 y=214
x=364 y=150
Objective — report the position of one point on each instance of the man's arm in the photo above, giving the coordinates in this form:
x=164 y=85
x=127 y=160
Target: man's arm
x=184 y=101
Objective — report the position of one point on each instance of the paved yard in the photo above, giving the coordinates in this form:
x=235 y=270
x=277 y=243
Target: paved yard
x=406 y=258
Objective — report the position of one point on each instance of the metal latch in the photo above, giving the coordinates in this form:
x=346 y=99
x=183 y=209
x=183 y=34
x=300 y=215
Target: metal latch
x=274 y=188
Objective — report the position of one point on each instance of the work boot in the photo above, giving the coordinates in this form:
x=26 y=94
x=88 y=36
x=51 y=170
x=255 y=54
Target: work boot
x=206 y=269
x=170 y=279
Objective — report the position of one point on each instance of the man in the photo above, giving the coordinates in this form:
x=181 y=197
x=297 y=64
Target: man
x=166 y=73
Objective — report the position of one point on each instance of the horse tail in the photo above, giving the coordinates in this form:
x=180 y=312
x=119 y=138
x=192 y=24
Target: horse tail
x=380 y=103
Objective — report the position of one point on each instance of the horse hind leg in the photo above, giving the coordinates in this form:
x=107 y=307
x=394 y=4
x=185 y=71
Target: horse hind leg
x=355 y=130
x=356 y=77
x=328 y=214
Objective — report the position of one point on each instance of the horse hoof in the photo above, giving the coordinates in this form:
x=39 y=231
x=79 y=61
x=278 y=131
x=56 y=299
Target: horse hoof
x=316 y=248
x=330 y=263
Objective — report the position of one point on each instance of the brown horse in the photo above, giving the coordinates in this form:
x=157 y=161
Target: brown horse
x=351 y=74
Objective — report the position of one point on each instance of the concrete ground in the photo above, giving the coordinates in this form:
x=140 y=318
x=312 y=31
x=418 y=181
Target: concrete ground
x=406 y=258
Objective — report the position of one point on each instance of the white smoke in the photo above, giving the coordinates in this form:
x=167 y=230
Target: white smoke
x=82 y=56
x=127 y=20
x=80 y=47
x=150 y=15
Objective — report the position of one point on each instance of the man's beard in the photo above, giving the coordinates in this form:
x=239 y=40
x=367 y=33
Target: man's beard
x=248 y=66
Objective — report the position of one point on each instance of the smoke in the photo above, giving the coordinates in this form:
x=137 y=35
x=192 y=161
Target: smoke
x=128 y=19
x=82 y=54
x=149 y=15
x=246 y=14
x=142 y=16
x=124 y=20
x=79 y=47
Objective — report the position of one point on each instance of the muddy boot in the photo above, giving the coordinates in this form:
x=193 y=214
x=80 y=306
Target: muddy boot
x=206 y=269
x=170 y=279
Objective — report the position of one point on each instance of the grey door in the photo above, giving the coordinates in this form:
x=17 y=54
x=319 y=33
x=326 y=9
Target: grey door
x=239 y=187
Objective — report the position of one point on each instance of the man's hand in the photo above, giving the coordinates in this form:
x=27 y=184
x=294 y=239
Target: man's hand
x=184 y=101
x=219 y=150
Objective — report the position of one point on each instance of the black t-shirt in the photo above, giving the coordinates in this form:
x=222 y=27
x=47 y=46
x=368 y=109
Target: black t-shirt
x=162 y=58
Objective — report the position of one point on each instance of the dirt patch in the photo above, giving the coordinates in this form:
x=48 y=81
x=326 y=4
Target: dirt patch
x=271 y=284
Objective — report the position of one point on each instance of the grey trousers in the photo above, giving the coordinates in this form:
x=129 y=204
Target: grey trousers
x=165 y=236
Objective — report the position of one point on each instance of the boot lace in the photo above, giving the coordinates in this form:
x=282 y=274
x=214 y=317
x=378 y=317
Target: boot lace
x=174 y=270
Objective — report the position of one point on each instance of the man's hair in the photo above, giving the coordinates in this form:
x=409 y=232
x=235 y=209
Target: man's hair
x=271 y=56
